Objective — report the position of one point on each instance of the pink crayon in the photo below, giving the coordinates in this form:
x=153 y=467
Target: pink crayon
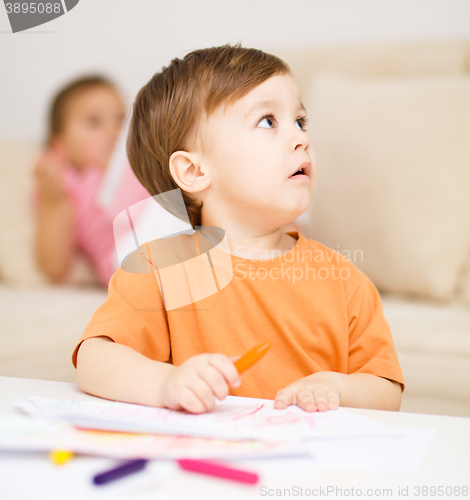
x=215 y=469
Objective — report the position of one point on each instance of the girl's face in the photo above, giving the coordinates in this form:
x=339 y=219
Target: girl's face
x=93 y=120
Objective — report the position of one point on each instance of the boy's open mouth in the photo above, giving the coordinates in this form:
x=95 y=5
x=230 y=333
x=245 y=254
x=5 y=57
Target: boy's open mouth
x=303 y=170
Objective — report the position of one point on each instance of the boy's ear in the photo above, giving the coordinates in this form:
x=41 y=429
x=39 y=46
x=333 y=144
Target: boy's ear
x=187 y=172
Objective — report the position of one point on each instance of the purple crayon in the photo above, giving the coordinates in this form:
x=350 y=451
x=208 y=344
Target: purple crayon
x=122 y=470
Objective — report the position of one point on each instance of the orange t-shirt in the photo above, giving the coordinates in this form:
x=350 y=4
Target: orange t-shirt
x=318 y=310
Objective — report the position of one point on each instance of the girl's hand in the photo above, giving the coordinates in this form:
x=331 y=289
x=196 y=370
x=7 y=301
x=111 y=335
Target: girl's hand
x=49 y=174
x=193 y=385
x=317 y=392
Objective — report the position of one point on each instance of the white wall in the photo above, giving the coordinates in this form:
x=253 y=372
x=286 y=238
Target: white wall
x=130 y=40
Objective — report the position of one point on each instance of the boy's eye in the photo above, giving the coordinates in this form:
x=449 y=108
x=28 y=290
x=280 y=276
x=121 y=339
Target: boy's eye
x=270 y=119
x=303 y=123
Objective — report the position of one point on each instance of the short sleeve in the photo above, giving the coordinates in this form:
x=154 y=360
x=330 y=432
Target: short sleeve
x=133 y=315
x=371 y=347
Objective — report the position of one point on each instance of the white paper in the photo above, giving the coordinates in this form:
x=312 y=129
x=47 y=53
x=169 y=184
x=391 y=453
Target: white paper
x=230 y=419
x=117 y=163
x=23 y=433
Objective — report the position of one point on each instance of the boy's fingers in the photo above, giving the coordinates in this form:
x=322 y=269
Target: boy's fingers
x=307 y=401
x=226 y=368
x=284 y=398
x=203 y=391
x=321 y=399
x=191 y=401
x=333 y=405
x=215 y=380
x=333 y=400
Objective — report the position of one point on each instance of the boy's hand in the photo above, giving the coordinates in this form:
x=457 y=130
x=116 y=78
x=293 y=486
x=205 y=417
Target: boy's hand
x=48 y=172
x=317 y=392
x=193 y=385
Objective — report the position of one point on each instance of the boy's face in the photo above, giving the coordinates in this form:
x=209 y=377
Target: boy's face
x=93 y=120
x=252 y=157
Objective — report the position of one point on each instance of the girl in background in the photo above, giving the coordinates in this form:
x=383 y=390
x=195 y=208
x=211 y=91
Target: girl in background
x=84 y=123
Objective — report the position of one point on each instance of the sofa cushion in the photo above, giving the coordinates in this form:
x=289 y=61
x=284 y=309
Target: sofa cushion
x=393 y=183
x=463 y=287
x=40 y=328
x=433 y=347
x=383 y=59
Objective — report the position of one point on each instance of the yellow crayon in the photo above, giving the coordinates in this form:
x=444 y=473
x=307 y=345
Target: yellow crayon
x=60 y=457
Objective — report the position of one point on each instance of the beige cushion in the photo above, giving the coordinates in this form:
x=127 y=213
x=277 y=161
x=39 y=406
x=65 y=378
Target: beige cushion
x=433 y=346
x=463 y=288
x=394 y=176
x=41 y=327
x=383 y=59
x=17 y=225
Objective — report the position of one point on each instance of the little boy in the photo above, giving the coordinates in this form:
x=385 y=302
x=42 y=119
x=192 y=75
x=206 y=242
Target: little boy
x=227 y=127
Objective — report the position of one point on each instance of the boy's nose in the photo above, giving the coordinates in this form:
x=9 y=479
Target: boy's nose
x=301 y=140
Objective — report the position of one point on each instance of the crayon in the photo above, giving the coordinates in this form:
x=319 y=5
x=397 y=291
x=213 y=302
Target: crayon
x=215 y=469
x=60 y=457
x=251 y=357
x=128 y=467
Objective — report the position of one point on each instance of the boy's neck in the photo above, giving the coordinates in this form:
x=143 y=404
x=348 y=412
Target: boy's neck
x=259 y=246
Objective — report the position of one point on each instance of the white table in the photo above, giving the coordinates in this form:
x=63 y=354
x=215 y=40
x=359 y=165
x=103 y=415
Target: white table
x=24 y=476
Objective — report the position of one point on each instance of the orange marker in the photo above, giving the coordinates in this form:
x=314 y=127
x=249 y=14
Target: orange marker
x=251 y=357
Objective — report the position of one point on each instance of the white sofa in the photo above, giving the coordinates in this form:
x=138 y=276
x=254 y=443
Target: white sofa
x=389 y=125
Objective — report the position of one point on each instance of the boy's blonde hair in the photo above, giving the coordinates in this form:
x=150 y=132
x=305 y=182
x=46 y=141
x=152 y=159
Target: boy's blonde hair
x=60 y=103
x=170 y=111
